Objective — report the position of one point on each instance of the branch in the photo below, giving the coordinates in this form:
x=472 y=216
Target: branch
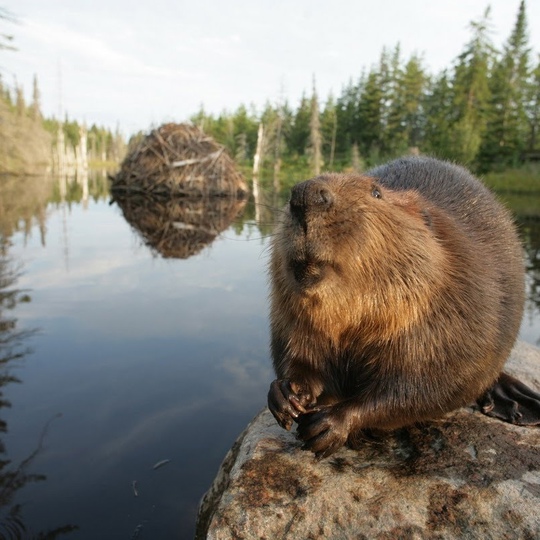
x=185 y=162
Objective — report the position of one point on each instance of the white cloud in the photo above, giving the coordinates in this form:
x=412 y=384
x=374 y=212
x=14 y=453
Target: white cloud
x=88 y=53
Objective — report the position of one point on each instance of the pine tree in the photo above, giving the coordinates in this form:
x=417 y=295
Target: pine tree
x=245 y=125
x=347 y=117
x=393 y=121
x=369 y=134
x=506 y=130
x=222 y=129
x=471 y=93
x=298 y=137
x=403 y=126
x=438 y=113
x=414 y=84
x=533 y=111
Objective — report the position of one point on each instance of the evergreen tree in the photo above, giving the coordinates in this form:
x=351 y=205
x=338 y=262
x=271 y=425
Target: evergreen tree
x=245 y=133
x=414 y=84
x=471 y=93
x=403 y=127
x=222 y=129
x=533 y=111
x=393 y=103
x=370 y=115
x=438 y=111
x=347 y=117
x=506 y=130
x=298 y=137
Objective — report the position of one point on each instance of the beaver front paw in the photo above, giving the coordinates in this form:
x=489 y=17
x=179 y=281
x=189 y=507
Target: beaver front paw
x=324 y=431
x=287 y=401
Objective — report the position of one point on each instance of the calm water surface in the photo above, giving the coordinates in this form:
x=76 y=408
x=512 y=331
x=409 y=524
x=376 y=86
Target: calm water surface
x=137 y=357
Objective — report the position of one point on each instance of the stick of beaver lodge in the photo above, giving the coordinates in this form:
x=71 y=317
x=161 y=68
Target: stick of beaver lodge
x=396 y=297
x=185 y=162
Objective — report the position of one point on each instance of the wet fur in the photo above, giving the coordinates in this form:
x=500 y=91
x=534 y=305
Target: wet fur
x=395 y=309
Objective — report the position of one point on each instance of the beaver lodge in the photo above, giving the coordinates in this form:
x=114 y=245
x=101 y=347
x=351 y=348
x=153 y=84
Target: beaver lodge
x=179 y=160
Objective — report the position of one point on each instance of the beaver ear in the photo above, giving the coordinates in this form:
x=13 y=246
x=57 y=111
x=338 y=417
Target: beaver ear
x=407 y=200
x=413 y=204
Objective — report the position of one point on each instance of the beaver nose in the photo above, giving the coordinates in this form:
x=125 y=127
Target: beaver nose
x=310 y=195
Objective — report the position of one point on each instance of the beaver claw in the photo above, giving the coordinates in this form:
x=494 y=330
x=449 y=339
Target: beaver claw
x=510 y=400
x=322 y=431
x=287 y=401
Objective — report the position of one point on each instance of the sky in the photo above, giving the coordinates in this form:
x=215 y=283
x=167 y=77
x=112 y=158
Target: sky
x=135 y=65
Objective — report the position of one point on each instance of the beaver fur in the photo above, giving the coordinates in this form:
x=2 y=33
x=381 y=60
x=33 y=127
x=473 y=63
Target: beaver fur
x=396 y=297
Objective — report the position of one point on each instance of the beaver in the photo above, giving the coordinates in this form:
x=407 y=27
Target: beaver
x=396 y=297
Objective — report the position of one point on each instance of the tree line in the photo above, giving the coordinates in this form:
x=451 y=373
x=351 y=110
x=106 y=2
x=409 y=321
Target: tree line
x=30 y=137
x=483 y=111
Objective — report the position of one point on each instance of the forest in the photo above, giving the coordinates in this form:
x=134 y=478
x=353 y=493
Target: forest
x=483 y=111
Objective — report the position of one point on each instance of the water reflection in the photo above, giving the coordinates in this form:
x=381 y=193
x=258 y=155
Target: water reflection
x=13 y=349
x=81 y=188
x=23 y=202
x=179 y=227
x=530 y=233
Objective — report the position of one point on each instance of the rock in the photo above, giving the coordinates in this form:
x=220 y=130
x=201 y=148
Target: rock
x=464 y=476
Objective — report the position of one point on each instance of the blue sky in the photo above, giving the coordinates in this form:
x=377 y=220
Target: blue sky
x=136 y=64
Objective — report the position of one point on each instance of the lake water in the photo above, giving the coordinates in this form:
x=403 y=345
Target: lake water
x=148 y=332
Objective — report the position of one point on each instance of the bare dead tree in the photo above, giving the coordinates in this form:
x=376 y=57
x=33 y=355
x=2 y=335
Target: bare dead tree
x=315 y=137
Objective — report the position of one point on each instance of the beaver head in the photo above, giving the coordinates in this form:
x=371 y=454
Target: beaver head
x=348 y=248
x=349 y=228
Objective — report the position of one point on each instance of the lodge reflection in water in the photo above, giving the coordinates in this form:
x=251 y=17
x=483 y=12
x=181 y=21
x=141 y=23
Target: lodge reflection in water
x=179 y=227
x=13 y=349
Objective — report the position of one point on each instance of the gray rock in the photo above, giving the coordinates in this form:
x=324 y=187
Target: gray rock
x=464 y=476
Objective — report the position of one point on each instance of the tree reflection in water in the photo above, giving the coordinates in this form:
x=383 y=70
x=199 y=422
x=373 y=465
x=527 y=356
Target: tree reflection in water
x=12 y=349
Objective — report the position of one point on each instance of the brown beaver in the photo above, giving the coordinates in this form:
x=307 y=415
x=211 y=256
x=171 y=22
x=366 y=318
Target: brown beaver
x=396 y=297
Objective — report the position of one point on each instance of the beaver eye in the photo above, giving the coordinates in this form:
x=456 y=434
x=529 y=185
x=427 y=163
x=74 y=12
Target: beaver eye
x=376 y=193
